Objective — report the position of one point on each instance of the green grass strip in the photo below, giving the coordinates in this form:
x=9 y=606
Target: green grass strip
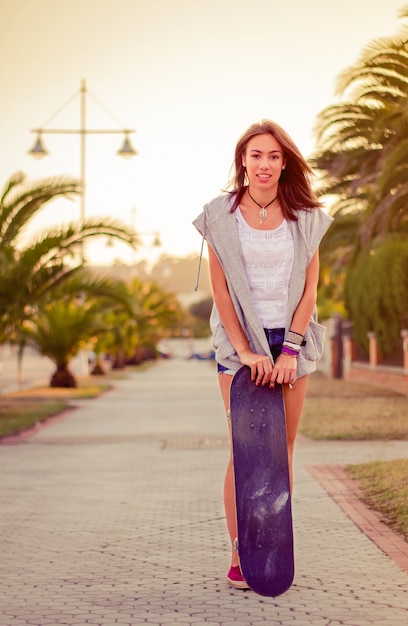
x=385 y=489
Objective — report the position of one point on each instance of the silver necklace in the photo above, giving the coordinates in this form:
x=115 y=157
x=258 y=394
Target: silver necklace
x=263 y=213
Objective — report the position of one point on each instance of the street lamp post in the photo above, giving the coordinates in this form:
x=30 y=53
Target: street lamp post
x=38 y=150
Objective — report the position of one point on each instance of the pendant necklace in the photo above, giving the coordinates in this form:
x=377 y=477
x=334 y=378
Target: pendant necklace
x=263 y=213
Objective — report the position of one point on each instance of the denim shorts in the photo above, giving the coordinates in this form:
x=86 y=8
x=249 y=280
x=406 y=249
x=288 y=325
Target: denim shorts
x=275 y=337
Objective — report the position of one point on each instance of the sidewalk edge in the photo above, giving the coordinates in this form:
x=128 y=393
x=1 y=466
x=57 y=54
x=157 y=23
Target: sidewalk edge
x=346 y=493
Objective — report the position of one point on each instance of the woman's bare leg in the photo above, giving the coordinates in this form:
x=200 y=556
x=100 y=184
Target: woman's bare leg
x=229 y=484
x=294 y=399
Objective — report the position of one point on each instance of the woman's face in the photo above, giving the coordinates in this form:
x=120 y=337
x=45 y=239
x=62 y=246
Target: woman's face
x=264 y=161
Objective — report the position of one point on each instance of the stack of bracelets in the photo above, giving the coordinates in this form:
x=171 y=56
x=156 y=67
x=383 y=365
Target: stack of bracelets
x=293 y=343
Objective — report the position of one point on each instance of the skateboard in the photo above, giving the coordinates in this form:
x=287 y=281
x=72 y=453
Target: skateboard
x=262 y=490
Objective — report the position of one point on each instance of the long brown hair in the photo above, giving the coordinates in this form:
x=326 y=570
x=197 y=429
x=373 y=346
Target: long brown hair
x=295 y=191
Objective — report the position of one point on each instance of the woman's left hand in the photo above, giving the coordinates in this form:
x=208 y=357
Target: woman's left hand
x=284 y=370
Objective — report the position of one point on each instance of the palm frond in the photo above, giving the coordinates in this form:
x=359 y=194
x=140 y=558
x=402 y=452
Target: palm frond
x=383 y=59
x=16 y=179
x=85 y=283
x=23 y=201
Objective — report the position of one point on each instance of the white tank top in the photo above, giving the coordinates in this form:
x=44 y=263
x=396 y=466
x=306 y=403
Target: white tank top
x=268 y=256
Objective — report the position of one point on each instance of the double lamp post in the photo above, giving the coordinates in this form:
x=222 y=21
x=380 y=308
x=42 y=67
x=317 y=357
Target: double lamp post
x=38 y=150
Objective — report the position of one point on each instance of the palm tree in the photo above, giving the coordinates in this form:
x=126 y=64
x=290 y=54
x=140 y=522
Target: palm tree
x=73 y=319
x=102 y=314
x=29 y=274
x=121 y=337
x=362 y=161
x=132 y=339
x=59 y=333
x=158 y=312
x=362 y=145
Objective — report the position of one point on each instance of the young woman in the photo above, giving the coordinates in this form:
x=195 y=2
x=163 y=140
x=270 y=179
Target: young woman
x=263 y=238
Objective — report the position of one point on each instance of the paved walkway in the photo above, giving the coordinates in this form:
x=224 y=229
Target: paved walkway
x=113 y=515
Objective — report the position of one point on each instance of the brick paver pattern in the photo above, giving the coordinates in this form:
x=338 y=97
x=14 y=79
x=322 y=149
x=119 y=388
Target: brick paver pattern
x=113 y=515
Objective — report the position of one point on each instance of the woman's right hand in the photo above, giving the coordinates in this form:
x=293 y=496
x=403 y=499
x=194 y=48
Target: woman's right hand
x=260 y=364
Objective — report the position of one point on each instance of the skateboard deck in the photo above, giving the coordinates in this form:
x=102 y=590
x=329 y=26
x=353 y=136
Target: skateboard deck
x=264 y=513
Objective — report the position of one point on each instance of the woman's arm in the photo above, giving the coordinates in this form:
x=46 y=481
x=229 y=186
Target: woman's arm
x=305 y=308
x=260 y=364
x=284 y=370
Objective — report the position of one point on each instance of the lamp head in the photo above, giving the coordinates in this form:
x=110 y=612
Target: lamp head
x=38 y=151
x=126 y=150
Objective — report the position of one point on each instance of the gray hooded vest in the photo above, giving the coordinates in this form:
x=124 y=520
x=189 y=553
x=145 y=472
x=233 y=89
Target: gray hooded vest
x=218 y=227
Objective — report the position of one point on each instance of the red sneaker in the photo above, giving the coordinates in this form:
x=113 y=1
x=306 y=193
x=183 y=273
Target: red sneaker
x=235 y=578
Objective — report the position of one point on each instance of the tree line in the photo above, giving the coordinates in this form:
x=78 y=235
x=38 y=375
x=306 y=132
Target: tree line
x=50 y=300
x=361 y=159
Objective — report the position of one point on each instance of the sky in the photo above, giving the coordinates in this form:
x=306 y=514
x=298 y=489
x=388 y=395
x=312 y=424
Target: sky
x=189 y=76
